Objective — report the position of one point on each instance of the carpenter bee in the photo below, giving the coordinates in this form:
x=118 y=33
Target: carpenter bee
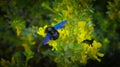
x=52 y=33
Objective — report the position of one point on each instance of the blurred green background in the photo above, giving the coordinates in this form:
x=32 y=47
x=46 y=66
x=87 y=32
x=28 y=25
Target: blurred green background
x=20 y=21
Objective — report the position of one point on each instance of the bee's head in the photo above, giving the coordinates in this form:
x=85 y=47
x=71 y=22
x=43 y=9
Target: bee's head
x=49 y=29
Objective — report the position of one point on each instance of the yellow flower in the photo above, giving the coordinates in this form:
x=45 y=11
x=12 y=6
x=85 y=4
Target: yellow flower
x=41 y=31
x=83 y=59
x=74 y=58
x=93 y=51
x=96 y=44
x=18 y=30
x=81 y=25
x=95 y=57
x=54 y=44
x=63 y=34
x=100 y=54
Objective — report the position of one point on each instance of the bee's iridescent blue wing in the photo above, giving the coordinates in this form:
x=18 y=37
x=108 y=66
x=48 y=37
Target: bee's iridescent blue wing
x=46 y=39
x=60 y=25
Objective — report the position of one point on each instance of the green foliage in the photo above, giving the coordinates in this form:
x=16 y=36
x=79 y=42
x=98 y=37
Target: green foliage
x=89 y=34
x=108 y=25
x=70 y=44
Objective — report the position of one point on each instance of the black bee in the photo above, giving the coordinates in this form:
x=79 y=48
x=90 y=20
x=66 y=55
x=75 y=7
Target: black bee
x=52 y=32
